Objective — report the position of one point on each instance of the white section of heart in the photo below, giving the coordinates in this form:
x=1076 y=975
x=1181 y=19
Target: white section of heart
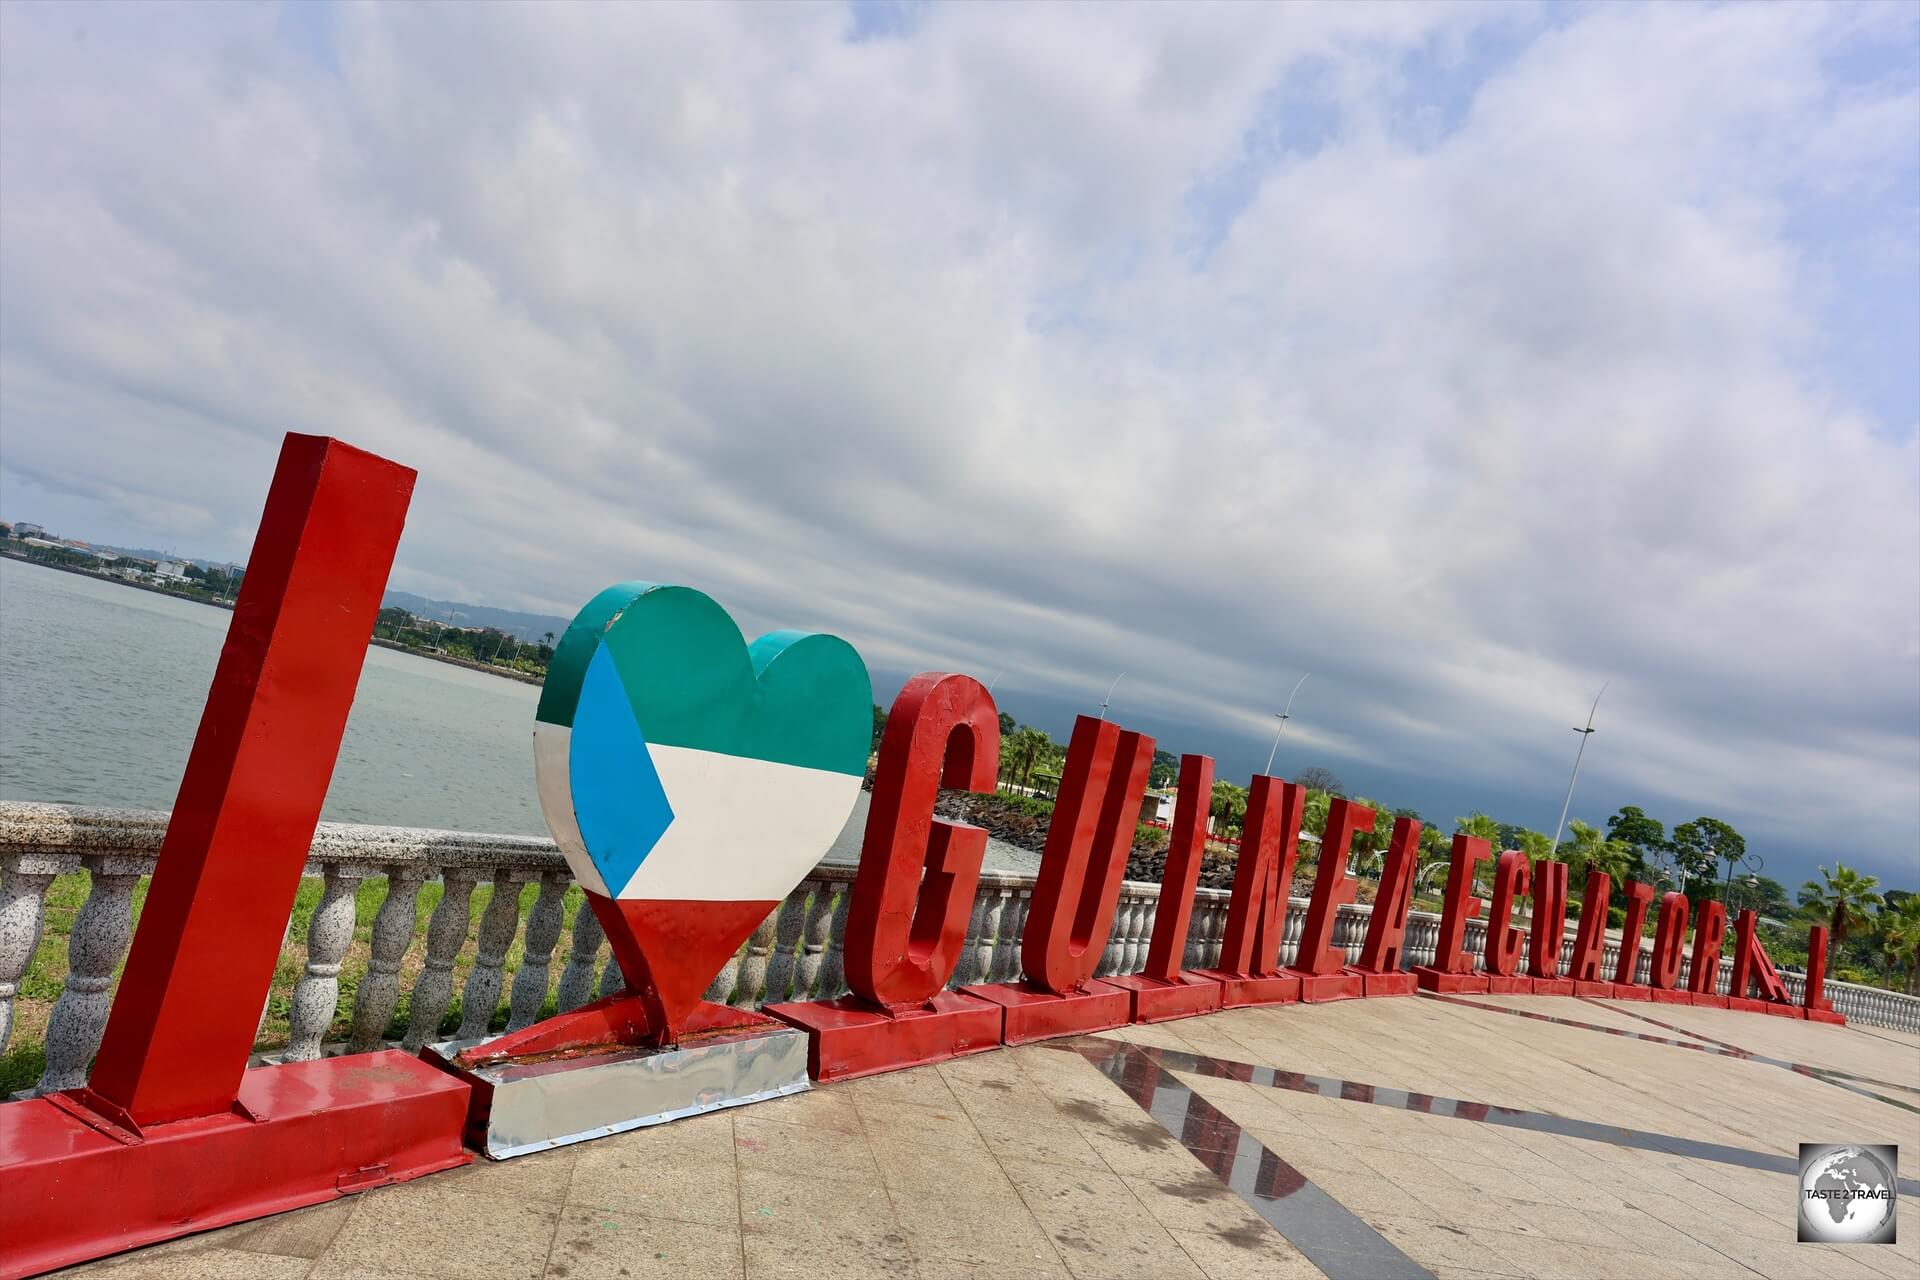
x=553 y=784
x=743 y=829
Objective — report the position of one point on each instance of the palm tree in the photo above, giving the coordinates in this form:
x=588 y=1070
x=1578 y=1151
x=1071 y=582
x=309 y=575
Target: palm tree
x=1229 y=807
x=1844 y=897
x=1592 y=851
x=1899 y=930
x=1024 y=749
x=1479 y=825
x=1314 y=813
x=1535 y=844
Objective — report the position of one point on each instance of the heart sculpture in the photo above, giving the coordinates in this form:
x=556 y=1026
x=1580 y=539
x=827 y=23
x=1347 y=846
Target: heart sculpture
x=693 y=780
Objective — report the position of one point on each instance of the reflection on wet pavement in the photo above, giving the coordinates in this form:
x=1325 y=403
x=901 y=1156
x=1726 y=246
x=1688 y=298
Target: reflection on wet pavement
x=1331 y=1236
x=1104 y=1053
x=1826 y=1075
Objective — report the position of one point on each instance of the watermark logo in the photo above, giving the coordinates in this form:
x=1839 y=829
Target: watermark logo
x=1847 y=1194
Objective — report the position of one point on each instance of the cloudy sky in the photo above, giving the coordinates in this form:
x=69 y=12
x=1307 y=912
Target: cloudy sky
x=1463 y=356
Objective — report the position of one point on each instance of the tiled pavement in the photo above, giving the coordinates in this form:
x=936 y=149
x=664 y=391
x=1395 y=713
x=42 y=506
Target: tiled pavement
x=1033 y=1162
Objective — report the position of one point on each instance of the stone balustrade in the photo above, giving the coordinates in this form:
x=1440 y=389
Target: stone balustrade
x=797 y=953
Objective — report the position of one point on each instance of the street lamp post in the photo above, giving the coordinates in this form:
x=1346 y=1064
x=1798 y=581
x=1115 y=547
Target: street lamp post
x=1584 y=735
x=1284 y=716
x=1754 y=864
x=1106 y=701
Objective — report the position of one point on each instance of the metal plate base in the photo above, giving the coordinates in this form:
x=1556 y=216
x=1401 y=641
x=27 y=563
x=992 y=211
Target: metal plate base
x=535 y=1103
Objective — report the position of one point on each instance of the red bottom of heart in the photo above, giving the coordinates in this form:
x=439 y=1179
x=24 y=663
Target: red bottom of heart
x=670 y=950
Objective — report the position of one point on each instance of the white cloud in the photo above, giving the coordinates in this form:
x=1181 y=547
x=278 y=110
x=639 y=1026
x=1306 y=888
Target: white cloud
x=1469 y=406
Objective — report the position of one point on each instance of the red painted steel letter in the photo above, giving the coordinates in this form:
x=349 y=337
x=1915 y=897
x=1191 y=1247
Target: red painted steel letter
x=1709 y=934
x=1632 y=931
x=1669 y=939
x=1814 y=998
x=1333 y=888
x=1186 y=849
x=1549 y=918
x=1590 y=942
x=176 y=1044
x=904 y=934
x=1510 y=876
x=1263 y=878
x=1751 y=963
x=1387 y=930
x=1078 y=886
x=1462 y=905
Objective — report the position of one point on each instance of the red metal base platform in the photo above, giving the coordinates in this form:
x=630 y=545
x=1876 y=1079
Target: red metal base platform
x=1500 y=984
x=1593 y=990
x=1553 y=986
x=1151 y=1000
x=849 y=1037
x=1740 y=1004
x=1824 y=1015
x=1243 y=990
x=1317 y=988
x=1788 y=1011
x=1631 y=991
x=1709 y=1000
x=1033 y=1014
x=1669 y=995
x=1375 y=982
x=1443 y=983
x=80 y=1186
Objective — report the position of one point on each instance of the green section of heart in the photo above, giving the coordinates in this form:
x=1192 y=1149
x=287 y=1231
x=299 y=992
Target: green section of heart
x=693 y=681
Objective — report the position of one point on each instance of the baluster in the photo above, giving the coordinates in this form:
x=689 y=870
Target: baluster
x=833 y=970
x=1110 y=955
x=23 y=909
x=966 y=968
x=101 y=932
x=536 y=960
x=1007 y=954
x=1139 y=931
x=720 y=990
x=1290 y=932
x=576 y=979
x=987 y=947
x=501 y=920
x=379 y=992
x=612 y=979
x=446 y=934
x=328 y=934
x=1213 y=941
x=813 y=952
x=1201 y=905
x=753 y=970
x=789 y=920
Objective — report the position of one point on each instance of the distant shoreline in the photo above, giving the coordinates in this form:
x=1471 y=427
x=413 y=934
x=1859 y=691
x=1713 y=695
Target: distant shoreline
x=503 y=672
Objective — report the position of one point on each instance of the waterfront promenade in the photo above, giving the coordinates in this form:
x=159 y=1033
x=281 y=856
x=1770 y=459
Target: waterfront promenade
x=1356 y=1139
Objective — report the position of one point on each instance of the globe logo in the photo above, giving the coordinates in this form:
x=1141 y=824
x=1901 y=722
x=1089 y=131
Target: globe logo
x=1847 y=1194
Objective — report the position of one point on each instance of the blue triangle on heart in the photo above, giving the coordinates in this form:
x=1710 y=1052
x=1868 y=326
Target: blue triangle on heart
x=619 y=801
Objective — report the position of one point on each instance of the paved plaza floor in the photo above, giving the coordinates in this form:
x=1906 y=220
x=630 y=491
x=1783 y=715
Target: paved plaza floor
x=1422 y=1136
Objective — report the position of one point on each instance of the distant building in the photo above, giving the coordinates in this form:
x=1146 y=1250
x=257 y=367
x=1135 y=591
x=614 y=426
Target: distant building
x=43 y=542
x=27 y=529
x=100 y=553
x=171 y=570
x=1157 y=807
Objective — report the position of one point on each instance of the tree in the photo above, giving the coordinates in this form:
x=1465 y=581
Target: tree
x=1479 y=825
x=1698 y=845
x=1898 y=928
x=1229 y=807
x=1769 y=897
x=1843 y=895
x=1645 y=838
x=1535 y=844
x=1314 y=812
x=1370 y=847
x=1023 y=750
x=1316 y=778
x=1007 y=725
x=1165 y=770
x=879 y=721
x=1591 y=850
x=549 y=639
